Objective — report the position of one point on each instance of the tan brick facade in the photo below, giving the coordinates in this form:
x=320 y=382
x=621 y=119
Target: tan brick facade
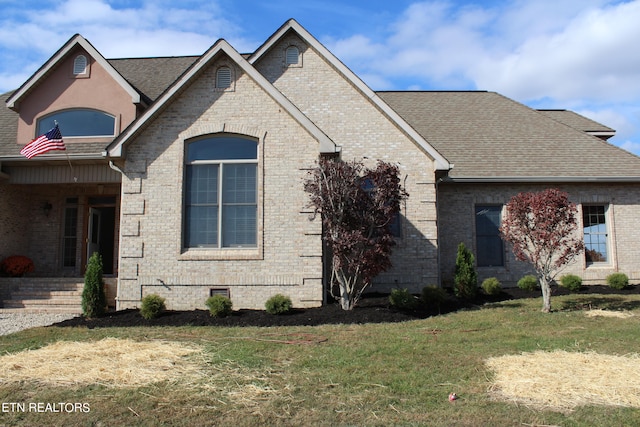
x=287 y=259
x=457 y=224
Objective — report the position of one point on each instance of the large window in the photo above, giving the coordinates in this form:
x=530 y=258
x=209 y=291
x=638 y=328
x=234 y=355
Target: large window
x=489 y=246
x=79 y=122
x=221 y=206
x=595 y=233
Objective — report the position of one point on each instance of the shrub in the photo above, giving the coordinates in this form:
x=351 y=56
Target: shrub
x=491 y=286
x=572 y=282
x=219 y=306
x=94 y=300
x=278 y=304
x=17 y=265
x=618 y=280
x=528 y=283
x=152 y=306
x=433 y=296
x=402 y=299
x=466 y=277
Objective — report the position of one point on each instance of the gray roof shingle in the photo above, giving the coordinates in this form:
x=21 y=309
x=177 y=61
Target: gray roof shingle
x=488 y=136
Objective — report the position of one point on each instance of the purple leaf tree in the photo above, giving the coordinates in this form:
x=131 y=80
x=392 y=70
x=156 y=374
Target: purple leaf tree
x=357 y=206
x=542 y=229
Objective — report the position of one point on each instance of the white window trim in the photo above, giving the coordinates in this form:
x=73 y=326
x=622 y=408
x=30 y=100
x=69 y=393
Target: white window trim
x=609 y=238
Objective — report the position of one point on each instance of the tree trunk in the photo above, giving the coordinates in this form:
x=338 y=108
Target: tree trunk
x=546 y=294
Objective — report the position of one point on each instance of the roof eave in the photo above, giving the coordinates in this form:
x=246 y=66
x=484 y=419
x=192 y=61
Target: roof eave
x=540 y=179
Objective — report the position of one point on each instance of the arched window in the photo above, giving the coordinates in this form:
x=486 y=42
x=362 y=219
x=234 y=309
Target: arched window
x=79 y=122
x=80 y=65
x=221 y=192
x=223 y=78
x=292 y=55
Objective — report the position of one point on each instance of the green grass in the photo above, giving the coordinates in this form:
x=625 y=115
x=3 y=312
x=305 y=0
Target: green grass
x=373 y=375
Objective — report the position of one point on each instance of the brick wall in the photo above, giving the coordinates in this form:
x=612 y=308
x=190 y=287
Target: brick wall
x=457 y=221
x=288 y=257
x=352 y=121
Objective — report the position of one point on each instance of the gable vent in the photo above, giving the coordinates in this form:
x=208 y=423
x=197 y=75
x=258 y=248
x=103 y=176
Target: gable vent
x=291 y=55
x=223 y=78
x=79 y=65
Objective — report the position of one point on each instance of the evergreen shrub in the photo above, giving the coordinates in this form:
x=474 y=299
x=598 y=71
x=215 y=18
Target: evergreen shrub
x=152 y=306
x=94 y=299
x=618 y=280
x=278 y=304
x=219 y=306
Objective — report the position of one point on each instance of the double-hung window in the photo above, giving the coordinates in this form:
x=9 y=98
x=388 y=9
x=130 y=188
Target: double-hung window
x=595 y=233
x=221 y=200
x=489 y=245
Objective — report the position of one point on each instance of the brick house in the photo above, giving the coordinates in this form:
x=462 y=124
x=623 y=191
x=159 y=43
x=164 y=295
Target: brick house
x=186 y=172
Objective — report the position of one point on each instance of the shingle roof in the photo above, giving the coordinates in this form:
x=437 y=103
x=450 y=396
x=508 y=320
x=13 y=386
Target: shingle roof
x=576 y=121
x=488 y=136
x=151 y=76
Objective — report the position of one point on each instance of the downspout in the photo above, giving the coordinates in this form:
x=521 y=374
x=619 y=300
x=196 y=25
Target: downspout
x=121 y=172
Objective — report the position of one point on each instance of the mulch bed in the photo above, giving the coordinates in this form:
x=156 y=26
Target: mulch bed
x=373 y=308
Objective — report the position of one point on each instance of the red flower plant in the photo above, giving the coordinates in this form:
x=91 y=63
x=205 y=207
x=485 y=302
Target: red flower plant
x=17 y=265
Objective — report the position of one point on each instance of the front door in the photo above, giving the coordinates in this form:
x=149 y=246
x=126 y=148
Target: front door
x=94 y=232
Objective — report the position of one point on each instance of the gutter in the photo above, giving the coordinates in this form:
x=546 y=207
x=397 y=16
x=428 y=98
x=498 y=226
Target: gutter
x=540 y=179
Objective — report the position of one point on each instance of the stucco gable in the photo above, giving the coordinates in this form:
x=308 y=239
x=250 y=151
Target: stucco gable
x=221 y=47
x=439 y=161
x=13 y=101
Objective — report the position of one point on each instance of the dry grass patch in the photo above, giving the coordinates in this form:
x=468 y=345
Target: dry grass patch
x=608 y=313
x=563 y=380
x=112 y=362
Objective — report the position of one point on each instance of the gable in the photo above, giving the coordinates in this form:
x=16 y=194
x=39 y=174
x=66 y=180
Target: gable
x=270 y=59
x=76 y=80
x=218 y=50
x=492 y=138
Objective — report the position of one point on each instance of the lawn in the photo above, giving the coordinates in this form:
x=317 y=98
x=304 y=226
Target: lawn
x=334 y=375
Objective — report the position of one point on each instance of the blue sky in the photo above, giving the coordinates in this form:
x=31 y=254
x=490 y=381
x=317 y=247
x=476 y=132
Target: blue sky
x=581 y=55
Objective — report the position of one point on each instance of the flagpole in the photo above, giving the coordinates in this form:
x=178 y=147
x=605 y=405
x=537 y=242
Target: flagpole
x=75 y=178
x=66 y=152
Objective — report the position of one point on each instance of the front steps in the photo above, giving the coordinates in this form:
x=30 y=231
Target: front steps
x=42 y=295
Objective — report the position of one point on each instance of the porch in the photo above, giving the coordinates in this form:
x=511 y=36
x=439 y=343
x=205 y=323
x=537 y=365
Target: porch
x=48 y=294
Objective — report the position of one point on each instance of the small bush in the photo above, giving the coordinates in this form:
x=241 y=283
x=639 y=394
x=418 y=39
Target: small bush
x=278 y=304
x=528 y=283
x=572 y=282
x=94 y=299
x=219 y=306
x=402 y=299
x=491 y=286
x=433 y=296
x=152 y=306
x=618 y=280
x=466 y=277
x=17 y=265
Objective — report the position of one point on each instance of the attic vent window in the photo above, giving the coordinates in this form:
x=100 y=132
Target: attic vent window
x=223 y=78
x=292 y=55
x=80 y=65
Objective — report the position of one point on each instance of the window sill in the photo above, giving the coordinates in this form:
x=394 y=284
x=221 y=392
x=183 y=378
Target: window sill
x=228 y=254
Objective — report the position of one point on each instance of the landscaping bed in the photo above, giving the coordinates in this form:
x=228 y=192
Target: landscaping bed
x=372 y=308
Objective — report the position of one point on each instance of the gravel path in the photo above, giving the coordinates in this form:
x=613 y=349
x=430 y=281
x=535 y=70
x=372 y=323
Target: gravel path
x=14 y=322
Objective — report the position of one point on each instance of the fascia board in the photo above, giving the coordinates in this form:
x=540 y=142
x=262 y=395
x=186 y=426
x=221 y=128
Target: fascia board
x=440 y=163
x=541 y=179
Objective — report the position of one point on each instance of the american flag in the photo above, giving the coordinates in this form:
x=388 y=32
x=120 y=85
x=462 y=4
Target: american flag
x=51 y=140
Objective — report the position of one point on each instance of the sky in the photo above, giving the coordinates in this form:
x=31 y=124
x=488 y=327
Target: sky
x=581 y=55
